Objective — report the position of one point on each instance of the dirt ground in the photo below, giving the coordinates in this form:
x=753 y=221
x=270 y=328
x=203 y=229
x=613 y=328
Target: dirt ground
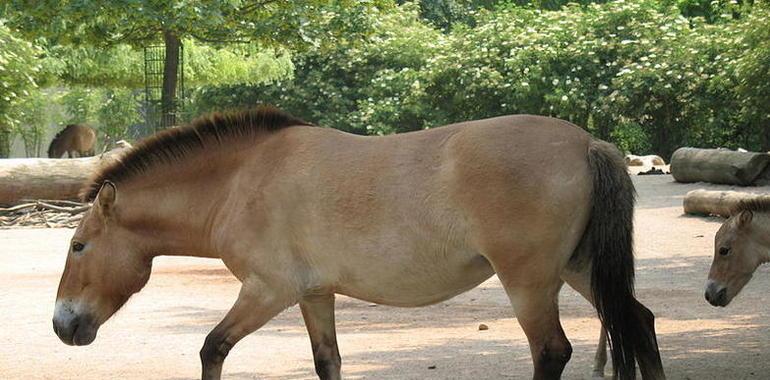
x=158 y=334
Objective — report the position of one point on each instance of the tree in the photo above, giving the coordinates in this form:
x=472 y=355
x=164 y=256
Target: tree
x=335 y=86
x=141 y=22
x=18 y=69
x=752 y=64
x=32 y=122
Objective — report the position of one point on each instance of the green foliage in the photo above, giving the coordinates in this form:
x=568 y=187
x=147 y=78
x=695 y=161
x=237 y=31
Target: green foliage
x=636 y=72
x=751 y=63
x=235 y=64
x=32 y=122
x=122 y=66
x=115 y=66
x=331 y=86
x=101 y=31
x=18 y=70
x=139 y=22
x=119 y=111
x=650 y=75
x=81 y=105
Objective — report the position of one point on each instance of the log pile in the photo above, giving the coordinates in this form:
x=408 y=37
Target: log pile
x=43 y=214
x=42 y=192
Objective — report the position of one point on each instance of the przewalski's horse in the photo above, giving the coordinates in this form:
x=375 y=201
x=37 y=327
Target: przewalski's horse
x=74 y=139
x=741 y=245
x=301 y=213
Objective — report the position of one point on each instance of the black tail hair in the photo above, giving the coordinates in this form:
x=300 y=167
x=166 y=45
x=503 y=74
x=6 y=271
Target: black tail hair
x=608 y=240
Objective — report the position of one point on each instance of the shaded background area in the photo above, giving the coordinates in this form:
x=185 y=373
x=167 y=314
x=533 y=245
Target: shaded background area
x=159 y=333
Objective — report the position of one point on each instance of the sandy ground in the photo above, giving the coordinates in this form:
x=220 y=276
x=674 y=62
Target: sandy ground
x=158 y=334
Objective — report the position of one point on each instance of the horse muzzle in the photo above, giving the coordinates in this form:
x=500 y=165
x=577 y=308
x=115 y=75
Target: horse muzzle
x=716 y=294
x=74 y=329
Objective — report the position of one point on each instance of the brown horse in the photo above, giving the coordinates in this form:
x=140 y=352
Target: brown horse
x=300 y=213
x=741 y=245
x=74 y=139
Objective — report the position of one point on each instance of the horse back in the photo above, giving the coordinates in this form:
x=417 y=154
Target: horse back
x=434 y=207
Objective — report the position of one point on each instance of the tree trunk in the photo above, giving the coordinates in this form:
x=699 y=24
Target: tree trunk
x=170 y=77
x=5 y=141
x=47 y=178
x=765 y=128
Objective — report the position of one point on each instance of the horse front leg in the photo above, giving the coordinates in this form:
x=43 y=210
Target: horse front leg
x=256 y=305
x=318 y=312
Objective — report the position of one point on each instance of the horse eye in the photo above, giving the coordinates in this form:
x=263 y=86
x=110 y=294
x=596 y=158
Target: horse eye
x=77 y=247
x=724 y=251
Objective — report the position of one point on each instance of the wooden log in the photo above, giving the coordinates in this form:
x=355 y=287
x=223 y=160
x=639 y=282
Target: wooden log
x=720 y=203
x=50 y=179
x=718 y=166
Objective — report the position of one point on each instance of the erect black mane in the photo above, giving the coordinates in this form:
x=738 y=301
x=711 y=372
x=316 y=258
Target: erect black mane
x=176 y=144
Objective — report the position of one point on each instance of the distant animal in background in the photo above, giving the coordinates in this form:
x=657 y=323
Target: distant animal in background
x=650 y=160
x=76 y=140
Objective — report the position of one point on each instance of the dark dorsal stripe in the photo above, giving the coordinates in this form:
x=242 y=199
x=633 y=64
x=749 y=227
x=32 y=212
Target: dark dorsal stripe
x=175 y=144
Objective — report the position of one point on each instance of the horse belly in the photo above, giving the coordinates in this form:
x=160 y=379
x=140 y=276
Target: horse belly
x=417 y=282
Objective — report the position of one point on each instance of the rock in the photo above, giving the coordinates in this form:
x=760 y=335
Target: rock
x=483 y=327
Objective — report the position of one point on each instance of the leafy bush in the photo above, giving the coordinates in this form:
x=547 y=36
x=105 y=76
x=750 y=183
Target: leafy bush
x=636 y=72
x=119 y=111
x=18 y=69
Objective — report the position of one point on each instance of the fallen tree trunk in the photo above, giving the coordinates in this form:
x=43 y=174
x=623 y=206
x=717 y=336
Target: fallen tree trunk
x=45 y=178
x=720 y=203
x=718 y=166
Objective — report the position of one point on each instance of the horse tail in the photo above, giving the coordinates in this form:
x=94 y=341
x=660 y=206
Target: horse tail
x=608 y=244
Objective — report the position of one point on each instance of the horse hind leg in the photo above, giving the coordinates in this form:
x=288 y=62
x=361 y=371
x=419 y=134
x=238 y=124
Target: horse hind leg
x=600 y=359
x=581 y=282
x=318 y=313
x=647 y=352
x=537 y=310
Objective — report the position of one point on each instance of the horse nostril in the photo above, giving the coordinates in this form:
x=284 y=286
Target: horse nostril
x=722 y=294
x=707 y=296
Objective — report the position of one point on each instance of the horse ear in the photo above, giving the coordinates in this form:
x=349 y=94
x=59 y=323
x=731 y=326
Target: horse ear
x=744 y=218
x=106 y=197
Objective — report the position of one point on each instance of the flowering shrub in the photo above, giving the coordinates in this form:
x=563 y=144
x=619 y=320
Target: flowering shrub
x=636 y=72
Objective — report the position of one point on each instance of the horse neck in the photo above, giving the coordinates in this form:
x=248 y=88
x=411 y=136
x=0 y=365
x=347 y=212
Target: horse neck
x=54 y=150
x=173 y=215
x=762 y=224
